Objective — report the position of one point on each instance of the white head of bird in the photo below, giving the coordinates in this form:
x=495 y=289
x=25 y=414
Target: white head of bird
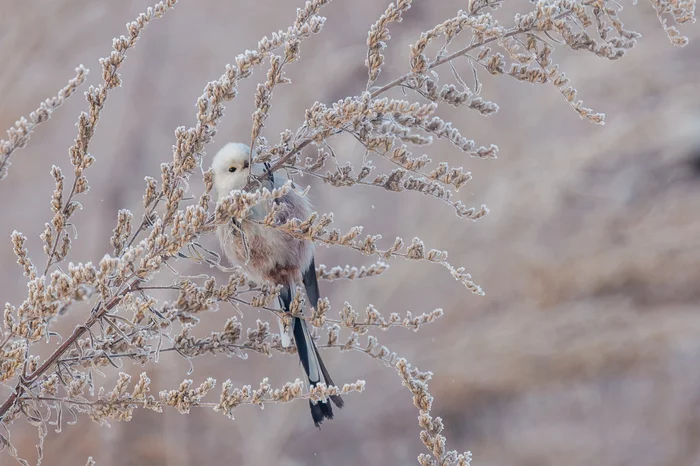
x=231 y=168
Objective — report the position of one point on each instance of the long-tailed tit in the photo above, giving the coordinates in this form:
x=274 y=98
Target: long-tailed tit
x=272 y=255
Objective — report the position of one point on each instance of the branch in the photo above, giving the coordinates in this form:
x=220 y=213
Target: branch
x=18 y=135
x=400 y=80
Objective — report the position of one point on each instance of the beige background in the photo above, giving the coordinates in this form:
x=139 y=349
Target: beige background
x=585 y=348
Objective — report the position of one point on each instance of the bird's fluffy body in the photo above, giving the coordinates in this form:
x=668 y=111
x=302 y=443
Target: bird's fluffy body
x=271 y=255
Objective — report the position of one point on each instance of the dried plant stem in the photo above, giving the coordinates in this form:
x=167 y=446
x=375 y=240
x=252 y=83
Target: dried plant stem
x=87 y=124
x=360 y=182
x=209 y=405
x=96 y=314
x=400 y=80
x=171 y=349
x=146 y=221
x=459 y=53
x=127 y=322
x=20 y=133
x=50 y=256
x=414 y=252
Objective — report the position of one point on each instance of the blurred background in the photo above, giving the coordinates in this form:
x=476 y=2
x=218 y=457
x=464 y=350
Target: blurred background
x=584 y=348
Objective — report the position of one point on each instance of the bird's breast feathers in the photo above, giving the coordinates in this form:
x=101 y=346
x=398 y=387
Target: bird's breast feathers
x=262 y=249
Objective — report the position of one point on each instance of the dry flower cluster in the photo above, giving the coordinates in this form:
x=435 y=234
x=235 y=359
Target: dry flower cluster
x=126 y=321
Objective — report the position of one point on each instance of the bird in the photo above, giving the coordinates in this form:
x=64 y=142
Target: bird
x=271 y=255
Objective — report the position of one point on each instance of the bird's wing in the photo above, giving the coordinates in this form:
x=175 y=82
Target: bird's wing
x=311 y=284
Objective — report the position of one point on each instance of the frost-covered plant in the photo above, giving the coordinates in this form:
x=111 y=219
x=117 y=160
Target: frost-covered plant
x=126 y=321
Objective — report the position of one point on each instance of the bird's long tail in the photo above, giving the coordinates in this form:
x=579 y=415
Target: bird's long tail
x=310 y=358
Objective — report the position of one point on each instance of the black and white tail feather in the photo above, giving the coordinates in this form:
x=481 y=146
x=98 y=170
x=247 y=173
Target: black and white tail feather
x=309 y=356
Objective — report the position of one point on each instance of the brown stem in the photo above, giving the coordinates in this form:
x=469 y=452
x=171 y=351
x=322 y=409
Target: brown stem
x=49 y=260
x=146 y=219
x=97 y=313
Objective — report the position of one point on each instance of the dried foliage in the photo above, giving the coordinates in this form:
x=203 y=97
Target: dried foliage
x=18 y=135
x=126 y=321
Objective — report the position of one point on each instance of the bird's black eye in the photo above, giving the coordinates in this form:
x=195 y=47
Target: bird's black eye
x=232 y=169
